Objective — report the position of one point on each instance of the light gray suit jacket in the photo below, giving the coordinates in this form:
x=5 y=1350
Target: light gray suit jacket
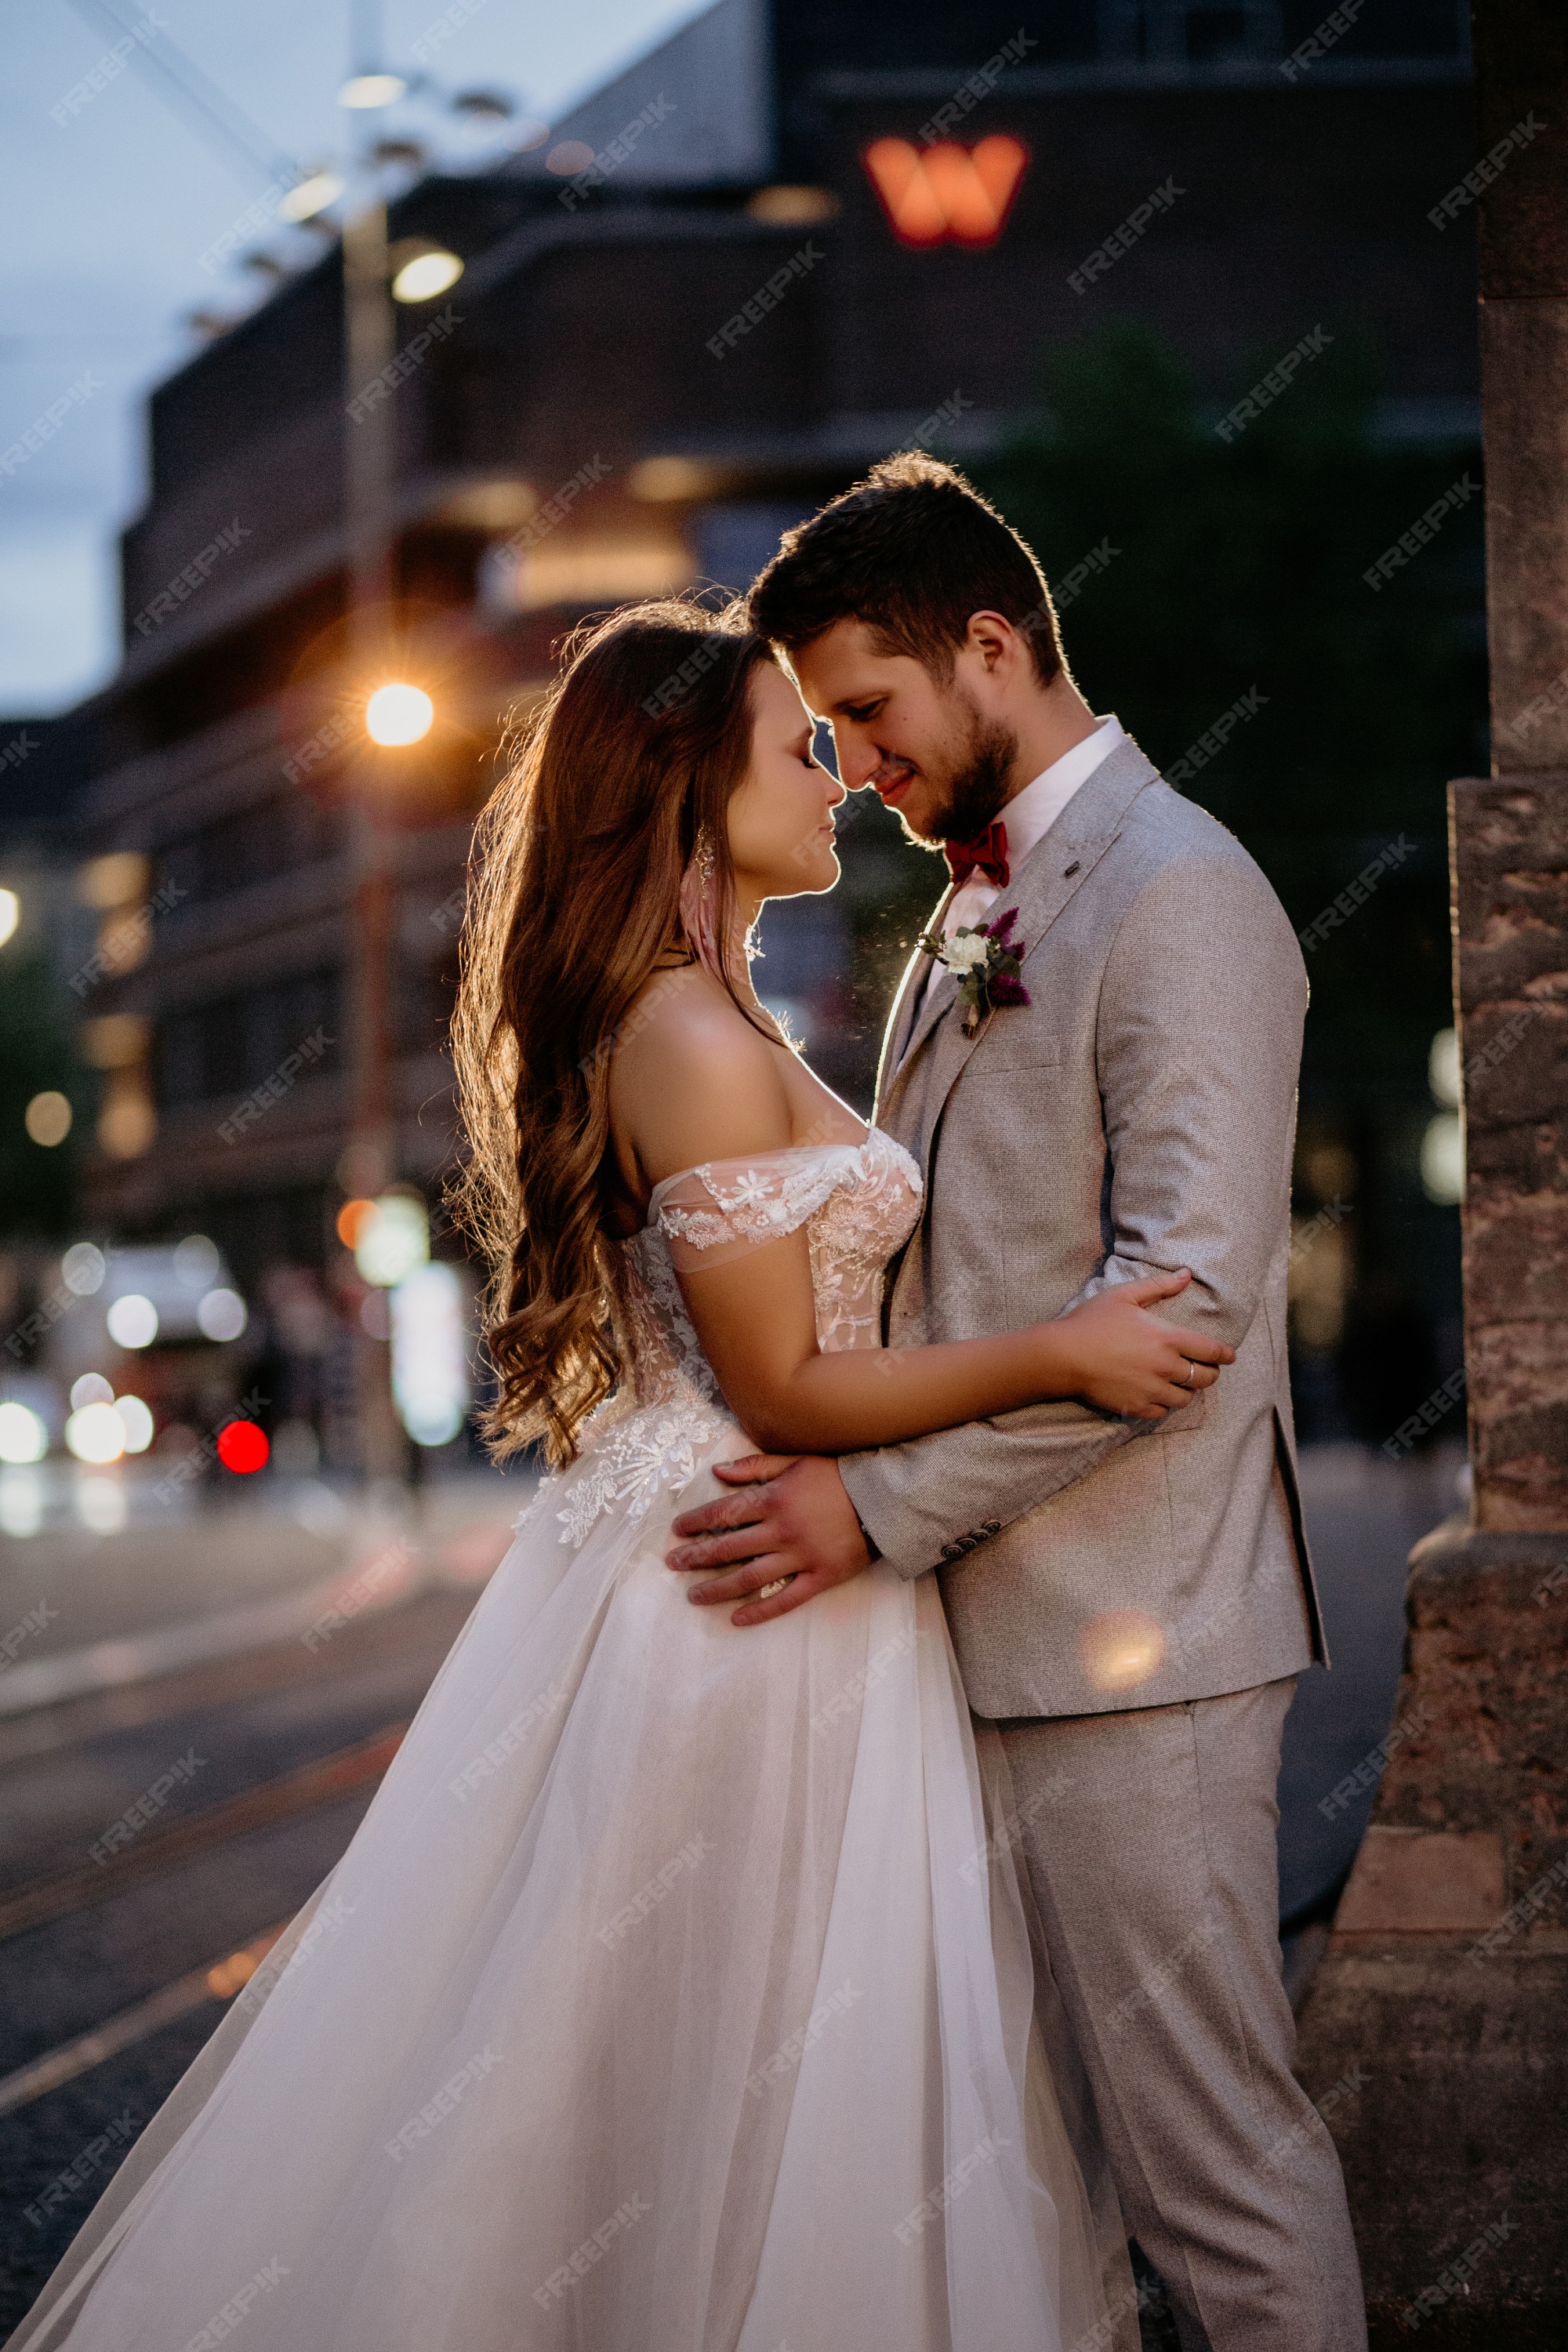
x=1138 y=1116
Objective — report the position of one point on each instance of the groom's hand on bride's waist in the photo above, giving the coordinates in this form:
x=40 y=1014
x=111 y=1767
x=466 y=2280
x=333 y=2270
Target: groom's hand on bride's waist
x=789 y=1516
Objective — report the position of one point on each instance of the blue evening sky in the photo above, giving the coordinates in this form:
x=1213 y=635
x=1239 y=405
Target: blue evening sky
x=112 y=209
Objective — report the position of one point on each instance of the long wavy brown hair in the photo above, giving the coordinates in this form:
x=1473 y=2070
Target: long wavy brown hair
x=633 y=753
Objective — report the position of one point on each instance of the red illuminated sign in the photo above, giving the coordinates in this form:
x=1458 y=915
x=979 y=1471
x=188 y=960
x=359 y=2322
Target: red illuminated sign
x=946 y=192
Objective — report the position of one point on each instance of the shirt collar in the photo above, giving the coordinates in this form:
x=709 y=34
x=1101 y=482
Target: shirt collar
x=1030 y=815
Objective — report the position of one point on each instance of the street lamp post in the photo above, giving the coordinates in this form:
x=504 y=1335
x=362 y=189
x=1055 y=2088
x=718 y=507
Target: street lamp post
x=369 y=479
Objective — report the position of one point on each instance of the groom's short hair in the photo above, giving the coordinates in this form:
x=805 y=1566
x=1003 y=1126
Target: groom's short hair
x=912 y=551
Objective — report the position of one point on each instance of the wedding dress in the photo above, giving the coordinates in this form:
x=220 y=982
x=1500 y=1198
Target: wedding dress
x=675 y=1993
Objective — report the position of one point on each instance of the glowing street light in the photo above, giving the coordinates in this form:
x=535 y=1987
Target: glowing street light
x=426 y=275
x=398 y=714
x=10 y=914
x=368 y=89
x=311 y=196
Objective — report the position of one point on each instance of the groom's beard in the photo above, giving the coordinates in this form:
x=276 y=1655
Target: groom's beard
x=972 y=789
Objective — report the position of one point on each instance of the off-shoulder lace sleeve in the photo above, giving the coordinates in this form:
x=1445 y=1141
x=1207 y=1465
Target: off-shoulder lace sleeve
x=710 y=1214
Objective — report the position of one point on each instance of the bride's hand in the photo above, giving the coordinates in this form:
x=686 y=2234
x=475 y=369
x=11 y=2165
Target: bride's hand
x=1132 y=1362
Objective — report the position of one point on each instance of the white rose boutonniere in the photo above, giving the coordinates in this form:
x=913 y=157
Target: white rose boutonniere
x=987 y=960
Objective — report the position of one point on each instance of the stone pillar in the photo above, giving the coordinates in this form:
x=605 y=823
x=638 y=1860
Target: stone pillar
x=1442 y=1999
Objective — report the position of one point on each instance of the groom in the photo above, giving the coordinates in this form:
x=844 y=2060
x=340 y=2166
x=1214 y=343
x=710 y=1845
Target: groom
x=1131 y=1602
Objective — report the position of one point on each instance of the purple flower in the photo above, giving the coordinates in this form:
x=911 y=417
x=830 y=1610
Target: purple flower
x=1005 y=990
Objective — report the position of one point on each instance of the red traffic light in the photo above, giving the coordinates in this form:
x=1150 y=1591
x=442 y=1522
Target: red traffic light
x=242 y=1446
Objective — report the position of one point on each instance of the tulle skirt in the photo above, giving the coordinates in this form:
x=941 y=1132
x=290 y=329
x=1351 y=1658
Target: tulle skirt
x=675 y=1995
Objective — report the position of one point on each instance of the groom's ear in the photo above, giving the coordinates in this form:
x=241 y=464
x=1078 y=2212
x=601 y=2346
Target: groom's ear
x=992 y=637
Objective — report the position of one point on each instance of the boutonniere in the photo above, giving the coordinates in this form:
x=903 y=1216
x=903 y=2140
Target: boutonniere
x=987 y=960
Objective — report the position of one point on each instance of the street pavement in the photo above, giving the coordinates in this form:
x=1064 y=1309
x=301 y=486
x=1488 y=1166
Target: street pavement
x=218 y=1730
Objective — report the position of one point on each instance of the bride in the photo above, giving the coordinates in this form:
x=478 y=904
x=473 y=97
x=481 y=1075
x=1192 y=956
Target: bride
x=676 y=1993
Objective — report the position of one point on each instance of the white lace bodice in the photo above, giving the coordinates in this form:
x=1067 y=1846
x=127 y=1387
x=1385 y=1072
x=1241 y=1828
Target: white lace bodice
x=858 y=1202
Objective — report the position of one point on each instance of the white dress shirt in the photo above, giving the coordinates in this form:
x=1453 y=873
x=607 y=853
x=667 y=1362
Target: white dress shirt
x=1028 y=817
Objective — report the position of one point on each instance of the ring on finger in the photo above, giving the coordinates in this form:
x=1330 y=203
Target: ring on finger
x=766 y=1592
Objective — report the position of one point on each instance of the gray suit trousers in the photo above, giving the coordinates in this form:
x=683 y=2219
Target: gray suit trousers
x=1148 y=1837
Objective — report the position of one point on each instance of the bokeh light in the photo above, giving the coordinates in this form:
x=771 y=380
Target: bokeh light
x=48 y=1119
x=83 y=1268
x=95 y=1433
x=222 y=1315
x=136 y=1419
x=133 y=1321
x=242 y=1447
x=398 y=714
x=23 y=1435
x=1121 y=1648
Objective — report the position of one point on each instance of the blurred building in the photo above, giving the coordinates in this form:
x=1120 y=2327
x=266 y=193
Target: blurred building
x=733 y=276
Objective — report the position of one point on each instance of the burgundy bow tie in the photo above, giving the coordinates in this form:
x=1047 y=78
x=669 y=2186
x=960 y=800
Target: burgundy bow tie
x=987 y=854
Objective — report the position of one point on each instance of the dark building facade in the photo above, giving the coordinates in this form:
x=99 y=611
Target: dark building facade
x=610 y=404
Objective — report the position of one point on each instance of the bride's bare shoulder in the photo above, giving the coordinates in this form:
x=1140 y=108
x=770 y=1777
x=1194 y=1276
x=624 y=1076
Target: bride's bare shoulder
x=691 y=1079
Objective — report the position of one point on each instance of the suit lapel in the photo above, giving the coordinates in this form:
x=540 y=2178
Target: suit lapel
x=1051 y=875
